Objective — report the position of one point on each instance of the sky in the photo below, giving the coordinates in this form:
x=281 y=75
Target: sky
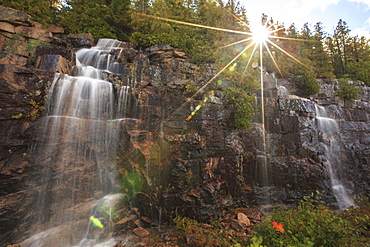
x=356 y=13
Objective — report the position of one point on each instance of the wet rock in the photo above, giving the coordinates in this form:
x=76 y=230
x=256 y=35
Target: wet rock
x=81 y=40
x=53 y=63
x=299 y=106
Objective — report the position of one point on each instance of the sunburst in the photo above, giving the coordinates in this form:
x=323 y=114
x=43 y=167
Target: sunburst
x=258 y=40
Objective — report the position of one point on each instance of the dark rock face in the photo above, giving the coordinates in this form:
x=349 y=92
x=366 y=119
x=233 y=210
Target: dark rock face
x=199 y=167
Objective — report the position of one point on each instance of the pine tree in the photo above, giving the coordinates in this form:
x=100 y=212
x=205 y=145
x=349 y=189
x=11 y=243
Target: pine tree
x=320 y=58
x=102 y=18
x=341 y=39
x=358 y=64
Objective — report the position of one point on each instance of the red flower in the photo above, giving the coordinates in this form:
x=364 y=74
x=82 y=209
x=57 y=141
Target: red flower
x=279 y=227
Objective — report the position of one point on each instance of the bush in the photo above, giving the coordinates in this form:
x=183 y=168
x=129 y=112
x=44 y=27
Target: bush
x=307 y=84
x=347 y=90
x=244 y=102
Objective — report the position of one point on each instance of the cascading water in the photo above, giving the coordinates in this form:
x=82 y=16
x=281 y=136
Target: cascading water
x=329 y=137
x=73 y=205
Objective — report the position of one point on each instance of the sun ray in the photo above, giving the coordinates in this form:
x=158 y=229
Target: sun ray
x=288 y=38
x=288 y=54
x=249 y=60
x=235 y=43
x=193 y=24
x=222 y=70
x=273 y=59
x=263 y=106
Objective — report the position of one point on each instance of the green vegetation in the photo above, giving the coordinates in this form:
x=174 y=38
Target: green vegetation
x=198 y=234
x=347 y=90
x=42 y=11
x=102 y=18
x=35 y=109
x=312 y=52
x=199 y=42
x=308 y=224
x=307 y=83
x=312 y=224
x=244 y=104
x=349 y=55
x=17 y=116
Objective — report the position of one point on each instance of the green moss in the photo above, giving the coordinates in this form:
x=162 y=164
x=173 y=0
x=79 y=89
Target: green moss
x=34 y=43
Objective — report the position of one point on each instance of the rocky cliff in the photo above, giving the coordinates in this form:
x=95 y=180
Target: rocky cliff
x=199 y=167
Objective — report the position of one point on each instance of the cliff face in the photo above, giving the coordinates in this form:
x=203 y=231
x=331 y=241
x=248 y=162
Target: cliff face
x=199 y=167
x=29 y=57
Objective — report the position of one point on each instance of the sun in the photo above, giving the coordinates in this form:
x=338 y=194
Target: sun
x=260 y=34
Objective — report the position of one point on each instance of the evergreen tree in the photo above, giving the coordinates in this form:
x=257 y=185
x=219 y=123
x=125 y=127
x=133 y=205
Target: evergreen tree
x=200 y=42
x=102 y=18
x=341 y=39
x=121 y=18
x=358 y=64
x=320 y=58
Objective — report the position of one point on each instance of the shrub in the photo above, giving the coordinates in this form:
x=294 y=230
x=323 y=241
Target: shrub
x=307 y=84
x=347 y=90
x=244 y=103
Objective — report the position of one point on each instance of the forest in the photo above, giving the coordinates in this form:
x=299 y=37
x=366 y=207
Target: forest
x=337 y=55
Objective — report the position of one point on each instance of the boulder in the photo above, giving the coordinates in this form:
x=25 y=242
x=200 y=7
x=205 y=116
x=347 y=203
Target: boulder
x=7 y=27
x=34 y=32
x=55 y=29
x=14 y=16
x=243 y=219
x=141 y=232
x=11 y=58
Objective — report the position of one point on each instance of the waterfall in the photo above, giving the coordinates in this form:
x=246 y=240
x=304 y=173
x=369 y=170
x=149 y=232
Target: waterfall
x=77 y=153
x=329 y=137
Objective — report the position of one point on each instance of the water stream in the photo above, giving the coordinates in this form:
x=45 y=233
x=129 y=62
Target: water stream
x=81 y=132
x=329 y=136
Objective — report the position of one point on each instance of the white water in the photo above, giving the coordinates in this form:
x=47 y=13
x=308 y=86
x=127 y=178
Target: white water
x=82 y=129
x=329 y=135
